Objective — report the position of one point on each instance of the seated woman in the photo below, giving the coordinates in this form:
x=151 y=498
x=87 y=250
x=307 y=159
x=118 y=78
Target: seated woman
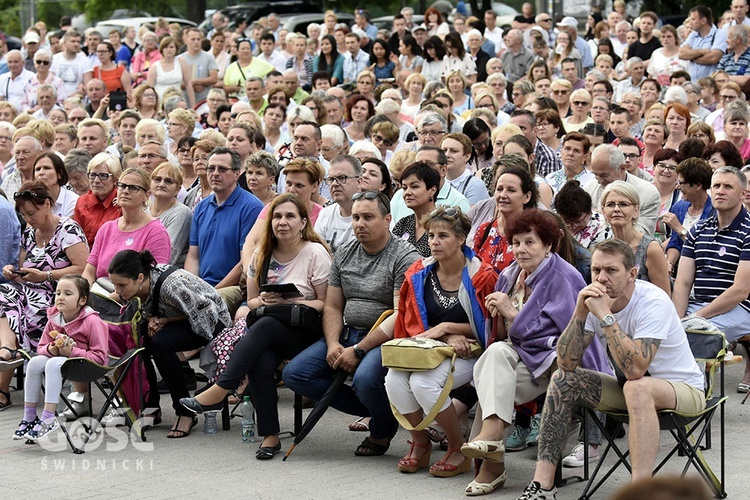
x=621 y=206
x=51 y=247
x=186 y=315
x=98 y=206
x=574 y=206
x=533 y=301
x=431 y=292
x=376 y=177
x=261 y=169
x=49 y=169
x=166 y=180
x=289 y=252
x=420 y=182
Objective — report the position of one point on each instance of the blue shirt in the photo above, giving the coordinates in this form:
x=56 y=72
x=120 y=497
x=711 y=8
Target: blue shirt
x=717 y=254
x=220 y=231
x=738 y=67
x=680 y=210
x=10 y=234
x=715 y=40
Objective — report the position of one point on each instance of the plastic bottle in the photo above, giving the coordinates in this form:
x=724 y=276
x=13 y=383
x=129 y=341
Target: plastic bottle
x=210 y=425
x=248 y=422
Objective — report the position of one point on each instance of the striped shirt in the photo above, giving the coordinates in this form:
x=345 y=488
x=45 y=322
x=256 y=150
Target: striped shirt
x=717 y=254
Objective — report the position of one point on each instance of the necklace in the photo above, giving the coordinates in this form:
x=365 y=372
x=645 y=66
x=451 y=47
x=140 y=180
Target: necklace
x=445 y=299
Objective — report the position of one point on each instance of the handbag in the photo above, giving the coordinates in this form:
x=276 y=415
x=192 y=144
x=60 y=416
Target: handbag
x=419 y=354
x=296 y=315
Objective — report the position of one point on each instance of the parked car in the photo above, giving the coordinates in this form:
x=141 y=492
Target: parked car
x=298 y=23
x=12 y=42
x=386 y=22
x=104 y=27
x=505 y=14
x=252 y=11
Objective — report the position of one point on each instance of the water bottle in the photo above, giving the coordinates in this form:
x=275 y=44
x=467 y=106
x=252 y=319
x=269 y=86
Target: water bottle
x=210 y=426
x=248 y=422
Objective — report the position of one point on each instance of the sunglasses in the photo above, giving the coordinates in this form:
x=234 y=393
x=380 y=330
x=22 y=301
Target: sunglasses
x=374 y=195
x=448 y=212
x=580 y=103
x=43 y=63
x=29 y=195
x=388 y=143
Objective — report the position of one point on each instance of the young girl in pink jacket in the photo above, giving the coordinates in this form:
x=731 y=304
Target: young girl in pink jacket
x=73 y=330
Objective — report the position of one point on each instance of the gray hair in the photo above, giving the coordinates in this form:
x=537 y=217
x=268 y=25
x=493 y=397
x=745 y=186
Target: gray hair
x=740 y=32
x=34 y=141
x=77 y=160
x=264 y=159
x=223 y=150
x=623 y=23
x=474 y=31
x=367 y=147
x=597 y=74
x=387 y=106
x=615 y=158
x=172 y=103
x=162 y=148
x=431 y=119
x=695 y=87
x=333 y=132
x=43 y=52
x=290 y=71
x=727 y=169
x=633 y=61
x=497 y=76
x=352 y=161
x=47 y=86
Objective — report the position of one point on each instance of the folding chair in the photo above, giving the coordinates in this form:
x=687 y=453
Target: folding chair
x=688 y=430
x=86 y=371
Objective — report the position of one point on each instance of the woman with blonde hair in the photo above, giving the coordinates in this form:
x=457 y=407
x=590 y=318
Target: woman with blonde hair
x=318 y=108
x=456 y=83
x=399 y=162
x=414 y=86
x=98 y=206
x=561 y=89
x=146 y=101
x=180 y=123
x=216 y=97
x=169 y=72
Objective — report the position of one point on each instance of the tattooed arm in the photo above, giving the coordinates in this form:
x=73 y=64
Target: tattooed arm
x=633 y=356
x=572 y=344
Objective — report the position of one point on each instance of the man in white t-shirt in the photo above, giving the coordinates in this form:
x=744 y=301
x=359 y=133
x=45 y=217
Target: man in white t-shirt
x=649 y=350
x=334 y=222
x=72 y=65
x=493 y=32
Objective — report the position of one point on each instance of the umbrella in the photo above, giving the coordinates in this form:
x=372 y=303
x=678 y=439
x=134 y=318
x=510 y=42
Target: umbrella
x=320 y=408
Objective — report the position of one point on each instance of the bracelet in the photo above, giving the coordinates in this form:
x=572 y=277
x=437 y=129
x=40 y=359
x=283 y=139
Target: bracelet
x=49 y=275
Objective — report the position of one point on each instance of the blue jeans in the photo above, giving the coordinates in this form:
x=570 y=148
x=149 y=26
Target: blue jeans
x=310 y=375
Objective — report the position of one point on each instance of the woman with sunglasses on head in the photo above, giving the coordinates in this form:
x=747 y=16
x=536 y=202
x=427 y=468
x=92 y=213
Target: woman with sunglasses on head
x=169 y=72
x=51 y=247
x=49 y=169
x=42 y=61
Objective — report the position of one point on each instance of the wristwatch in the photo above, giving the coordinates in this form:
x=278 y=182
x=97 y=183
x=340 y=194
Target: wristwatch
x=359 y=353
x=683 y=232
x=607 y=320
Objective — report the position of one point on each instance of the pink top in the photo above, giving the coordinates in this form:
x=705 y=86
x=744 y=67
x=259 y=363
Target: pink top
x=110 y=240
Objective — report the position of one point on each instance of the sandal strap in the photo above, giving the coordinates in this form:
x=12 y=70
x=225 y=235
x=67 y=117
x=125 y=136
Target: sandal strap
x=425 y=446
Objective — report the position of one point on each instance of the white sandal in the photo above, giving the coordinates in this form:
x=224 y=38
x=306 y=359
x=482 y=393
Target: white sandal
x=475 y=489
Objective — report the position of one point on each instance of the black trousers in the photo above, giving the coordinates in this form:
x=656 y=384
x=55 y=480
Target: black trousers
x=266 y=344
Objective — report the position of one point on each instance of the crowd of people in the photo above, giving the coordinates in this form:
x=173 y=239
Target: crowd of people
x=562 y=197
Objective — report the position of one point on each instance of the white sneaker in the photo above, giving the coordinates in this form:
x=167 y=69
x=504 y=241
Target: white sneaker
x=575 y=459
x=80 y=403
x=113 y=418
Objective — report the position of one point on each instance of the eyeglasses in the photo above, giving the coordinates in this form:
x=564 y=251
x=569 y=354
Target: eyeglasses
x=130 y=188
x=42 y=62
x=339 y=179
x=387 y=142
x=631 y=156
x=165 y=180
x=328 y=150
x=481 y=144
x=448 y=212
x=172 y=124
x=149 y=156
x=664 y=166
x=102 y=177
x=545 y=20
x=431 y=133
x=728 y=97
x=102 y=52
x=700 y=135
x=75 y=119
x=149 y=95
x=183 y=151
x=221 y=170
x=581 y=103
x=5 y=138
x=599 y=108
x=200 y=159
x=28 y=195
x=618 y=204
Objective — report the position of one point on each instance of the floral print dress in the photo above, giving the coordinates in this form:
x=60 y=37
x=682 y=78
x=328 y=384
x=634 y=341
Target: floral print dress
x=25 y=304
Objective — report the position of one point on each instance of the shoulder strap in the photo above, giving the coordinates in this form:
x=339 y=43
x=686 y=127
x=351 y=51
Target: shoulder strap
x=157 y=289
x=485 y=235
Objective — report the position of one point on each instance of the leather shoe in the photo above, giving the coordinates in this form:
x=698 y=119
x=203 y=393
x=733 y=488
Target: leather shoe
x=194 y=406
x=267 y=452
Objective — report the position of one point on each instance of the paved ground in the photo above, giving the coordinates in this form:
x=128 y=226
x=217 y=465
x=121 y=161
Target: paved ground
x=323 y=466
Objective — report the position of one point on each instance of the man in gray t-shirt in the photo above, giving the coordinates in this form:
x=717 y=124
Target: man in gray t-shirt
x=203 y=68
x=365 y=280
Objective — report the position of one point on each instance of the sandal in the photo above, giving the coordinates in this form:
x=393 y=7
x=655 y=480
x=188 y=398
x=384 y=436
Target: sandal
x=368 y=448
x=362 y=424
x=436 y=435
x=175 y=433
x=442 y=468
x=743 y=388
x=8 y=403
x=15 y=360
x=410 y=464
x=493 y=451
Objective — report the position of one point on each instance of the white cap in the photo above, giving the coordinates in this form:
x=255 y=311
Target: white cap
x=31 y=37
x=568 y=21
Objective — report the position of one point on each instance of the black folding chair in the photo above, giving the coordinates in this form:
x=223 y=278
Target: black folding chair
x=690 y=431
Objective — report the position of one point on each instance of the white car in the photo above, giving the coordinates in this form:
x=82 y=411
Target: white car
x=104 y=27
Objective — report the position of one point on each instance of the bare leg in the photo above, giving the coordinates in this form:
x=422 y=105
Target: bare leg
x=7 y=339
x=448 y=420
x=493 y=429
x=415 y=453
x=212 y=395
x=565 y=391
x=644 y=396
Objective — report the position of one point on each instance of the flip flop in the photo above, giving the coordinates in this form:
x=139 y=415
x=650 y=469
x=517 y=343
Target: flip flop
x=360 y=425
x=177 y=433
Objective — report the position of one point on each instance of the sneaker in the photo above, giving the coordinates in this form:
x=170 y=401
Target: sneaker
x=113 y=418
x=517 y=440
x=533 y=438
x=575 y=459
x=534 y=491
x=41 y=429
x=79 y=404
x=24 y=427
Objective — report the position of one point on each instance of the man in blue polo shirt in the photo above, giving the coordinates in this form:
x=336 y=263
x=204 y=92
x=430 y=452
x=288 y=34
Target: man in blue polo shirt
x=715 y=263
x=221 y=222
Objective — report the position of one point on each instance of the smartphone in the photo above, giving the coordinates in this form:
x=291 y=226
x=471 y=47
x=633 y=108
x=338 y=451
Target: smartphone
x=20 y=273
x=118 y=101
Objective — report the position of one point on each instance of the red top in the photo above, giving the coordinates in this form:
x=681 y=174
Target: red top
x=111 y=77
x=91 y=213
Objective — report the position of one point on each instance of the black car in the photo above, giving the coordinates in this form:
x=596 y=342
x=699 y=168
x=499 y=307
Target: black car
x=12 y=42
x=252 y=11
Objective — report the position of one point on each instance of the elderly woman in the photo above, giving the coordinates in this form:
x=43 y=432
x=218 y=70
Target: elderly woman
x=515 y=191
x=146 y=101
x=180 y=123
x=166 y=181
x=694 y=179
x=188 y=314
x=410 y=106
x=573 y=204
x=359 y=109
x=621 y=206
x=144 y=59
x=289 y=252
x=76 y=165
x=429 y=307
x=665 y=181
x=366 y=85
x=170 y=72
x=550 y=128
x=51 y=247
x=561 y=90
x=498 y=138
x=702 y=131
x=655 y=134
x=420 y=182
x=261 y=169
x=49 y=169
x=199 y=153
x=728 y=93
x=97 y=206
x=42 y=75
x=735 y=127
x=149 y=129
x=722 y=153
x=533 y=302
x=677 y=118
x=581 y=106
